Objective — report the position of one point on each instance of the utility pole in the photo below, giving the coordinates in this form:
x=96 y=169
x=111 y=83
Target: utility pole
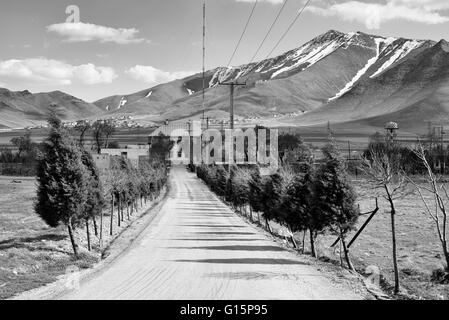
x=204 y=54
x=232 y=84
x=349 y=151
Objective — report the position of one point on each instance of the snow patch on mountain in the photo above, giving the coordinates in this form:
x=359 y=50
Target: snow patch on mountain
x=309 y=57
x=190 y=92
x=122 y=103
x=400 y=52
x=361 y=72
x=149 y=94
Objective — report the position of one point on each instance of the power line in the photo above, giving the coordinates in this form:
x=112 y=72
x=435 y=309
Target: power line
x=289 y=27
x=282 y=37
x=269 y=31
x=243 y=33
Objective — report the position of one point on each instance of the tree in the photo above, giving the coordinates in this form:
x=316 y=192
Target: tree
x=335 y=198
x=240 y=187
x=27 y=149
x=82 y=126
x=102 y=130
x=222 y=177
x=62 y=180
x=95 y=201
x=437 y=209
x=288 y=142
x=384 y=169
x=98 y=134
x=108 y=129
x=160 y=147
x=274 y=190
x=256 y=192
x=297 y=203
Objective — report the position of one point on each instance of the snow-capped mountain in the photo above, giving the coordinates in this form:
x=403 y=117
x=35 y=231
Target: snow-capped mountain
x=334 y=77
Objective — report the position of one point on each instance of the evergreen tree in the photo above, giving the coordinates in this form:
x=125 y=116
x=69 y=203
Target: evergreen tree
x=62 y=180
x=335 y=199
x=256 y=192
x=95 y=200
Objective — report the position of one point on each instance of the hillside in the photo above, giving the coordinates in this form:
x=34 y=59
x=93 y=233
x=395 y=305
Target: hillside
x=23 y=109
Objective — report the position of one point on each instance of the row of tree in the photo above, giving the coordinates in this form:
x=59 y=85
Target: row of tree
x=300 y=196
x=306 y=195
x=71 y=191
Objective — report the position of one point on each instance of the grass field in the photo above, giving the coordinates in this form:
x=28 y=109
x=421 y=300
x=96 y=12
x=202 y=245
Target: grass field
x=419 y=250
x=33 y=254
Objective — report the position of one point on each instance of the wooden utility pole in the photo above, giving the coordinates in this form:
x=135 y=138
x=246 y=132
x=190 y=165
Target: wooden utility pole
x=231 y=103
x=204 y=57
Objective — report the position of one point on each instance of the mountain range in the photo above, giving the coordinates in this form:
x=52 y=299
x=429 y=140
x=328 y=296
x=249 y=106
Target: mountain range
x=23 y=109
x=352 y=79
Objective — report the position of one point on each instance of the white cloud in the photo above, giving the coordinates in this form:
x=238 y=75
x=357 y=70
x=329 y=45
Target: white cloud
x=154 y=76
x=54 y=72
x=83 y=32
x=373 y=15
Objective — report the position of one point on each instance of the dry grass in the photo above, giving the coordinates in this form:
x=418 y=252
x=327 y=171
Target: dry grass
x=419 y=249
x=33 y=254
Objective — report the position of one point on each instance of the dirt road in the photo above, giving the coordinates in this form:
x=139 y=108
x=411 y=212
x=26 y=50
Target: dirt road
x=197 y=248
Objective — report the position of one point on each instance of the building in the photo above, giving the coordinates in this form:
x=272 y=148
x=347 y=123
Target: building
x=134 y=153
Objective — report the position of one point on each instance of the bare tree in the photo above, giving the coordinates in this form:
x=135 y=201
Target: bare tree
x=101 y=132
x=82 y=126
x=437 y=210
x=384 y=169
x=108 y=129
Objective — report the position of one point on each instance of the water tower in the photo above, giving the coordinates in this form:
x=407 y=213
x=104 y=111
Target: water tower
x=391 y=129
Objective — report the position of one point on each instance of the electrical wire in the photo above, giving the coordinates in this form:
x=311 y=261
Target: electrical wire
x=243 y=33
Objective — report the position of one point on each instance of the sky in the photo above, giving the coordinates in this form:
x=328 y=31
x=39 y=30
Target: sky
x=115 y=47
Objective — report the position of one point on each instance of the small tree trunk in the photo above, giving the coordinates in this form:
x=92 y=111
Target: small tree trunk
x=446 y=255
x=304 y=241
x=258 y=217
x=72 y=239
x=292 y=239
x=101 y=229
x=346 y=252
x=95 y=226
x=268 y=226
x=88 y=235
x=312 y=244
x=112 y=215
x=393 y=239
x=127 y=210
x=250 y=214
x=119 y=208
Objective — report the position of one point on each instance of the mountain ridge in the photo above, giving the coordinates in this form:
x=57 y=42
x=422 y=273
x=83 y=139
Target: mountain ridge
x=338 y=77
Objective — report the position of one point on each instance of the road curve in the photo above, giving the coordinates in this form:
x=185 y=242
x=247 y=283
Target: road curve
x=197 y=248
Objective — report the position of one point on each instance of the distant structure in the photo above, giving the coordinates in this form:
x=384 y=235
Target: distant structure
x=136 y=154
x=391 y=129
